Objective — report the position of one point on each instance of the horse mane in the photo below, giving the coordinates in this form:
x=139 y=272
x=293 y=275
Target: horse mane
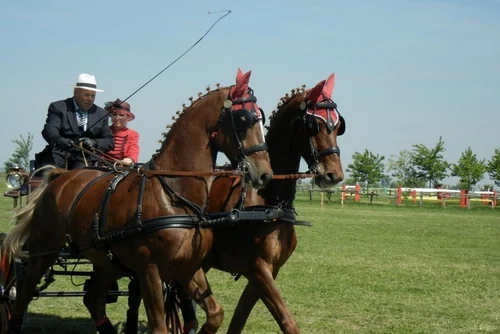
x=179 y=113
x=284 y=100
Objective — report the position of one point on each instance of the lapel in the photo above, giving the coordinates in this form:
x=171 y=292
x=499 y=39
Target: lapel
x=71 y=115
x=92 y=118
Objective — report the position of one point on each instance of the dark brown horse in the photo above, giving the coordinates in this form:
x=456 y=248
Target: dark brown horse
x=162 y=216
x=305 y=125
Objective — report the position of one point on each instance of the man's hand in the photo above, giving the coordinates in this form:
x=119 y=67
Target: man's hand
x=88 y=143
x=64 y=143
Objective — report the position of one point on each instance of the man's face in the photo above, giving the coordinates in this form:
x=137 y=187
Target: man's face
x=84 y=98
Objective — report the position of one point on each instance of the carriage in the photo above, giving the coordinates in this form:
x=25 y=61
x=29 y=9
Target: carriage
x=306 y=123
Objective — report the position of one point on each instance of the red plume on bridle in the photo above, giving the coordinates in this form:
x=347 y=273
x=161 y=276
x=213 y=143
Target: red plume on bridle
x=242 y=91
x=320 y=93
x=323 y=90
x=241 y=86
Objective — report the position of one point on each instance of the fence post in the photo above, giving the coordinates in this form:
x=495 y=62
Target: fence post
x=494 y=200
x=344 y=192
x=462 y=198
x=485 y=199
x=357 y=194
x=399 y=195
x=414 y=196
x=322 y=197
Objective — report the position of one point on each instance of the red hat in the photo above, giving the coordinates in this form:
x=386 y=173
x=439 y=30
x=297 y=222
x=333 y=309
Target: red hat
x=119 y=106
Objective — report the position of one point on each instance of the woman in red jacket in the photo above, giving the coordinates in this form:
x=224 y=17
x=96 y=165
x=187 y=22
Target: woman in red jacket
x=126 y=148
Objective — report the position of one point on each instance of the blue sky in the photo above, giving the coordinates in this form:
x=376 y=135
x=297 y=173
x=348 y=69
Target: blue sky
x=407 y=71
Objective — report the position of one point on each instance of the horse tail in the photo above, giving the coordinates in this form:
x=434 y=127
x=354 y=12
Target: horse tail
x=18 y=235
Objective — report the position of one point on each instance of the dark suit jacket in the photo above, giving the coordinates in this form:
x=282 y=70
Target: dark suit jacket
x=61 y=122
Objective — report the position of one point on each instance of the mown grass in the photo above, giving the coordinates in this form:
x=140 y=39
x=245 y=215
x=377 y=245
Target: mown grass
x=360 y=269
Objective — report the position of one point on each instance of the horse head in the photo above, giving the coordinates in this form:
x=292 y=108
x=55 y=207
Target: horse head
x=314 y=125
x=234 y=126
x=240 y=132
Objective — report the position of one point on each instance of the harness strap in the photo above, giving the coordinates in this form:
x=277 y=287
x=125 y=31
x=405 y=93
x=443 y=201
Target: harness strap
x=80 y=195
x=104 y=205
x=255 y=148
x=251 y=98
x=330 y=150
x=169 y=190
x=138 y=211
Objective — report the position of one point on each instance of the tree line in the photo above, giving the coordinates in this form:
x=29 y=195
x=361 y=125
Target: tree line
x=420 y=167
x=417 y=168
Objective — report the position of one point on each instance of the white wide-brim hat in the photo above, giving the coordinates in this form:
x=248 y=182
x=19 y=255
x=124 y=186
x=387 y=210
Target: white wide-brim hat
x=86 y=81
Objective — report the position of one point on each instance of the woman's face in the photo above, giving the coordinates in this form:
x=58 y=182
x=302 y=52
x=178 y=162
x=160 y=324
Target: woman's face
x=118 y=119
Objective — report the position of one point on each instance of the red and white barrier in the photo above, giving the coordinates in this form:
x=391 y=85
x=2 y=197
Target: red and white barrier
x=443 y=194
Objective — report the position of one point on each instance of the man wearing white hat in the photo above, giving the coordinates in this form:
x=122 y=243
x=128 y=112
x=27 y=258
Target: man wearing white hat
x=74 y=120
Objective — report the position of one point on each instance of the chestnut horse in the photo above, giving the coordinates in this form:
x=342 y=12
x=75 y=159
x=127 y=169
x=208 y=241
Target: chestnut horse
x=142 y=222
x=306 y=124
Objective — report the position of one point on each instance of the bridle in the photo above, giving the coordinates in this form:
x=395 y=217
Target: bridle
x=241 y=120
x=310 y=121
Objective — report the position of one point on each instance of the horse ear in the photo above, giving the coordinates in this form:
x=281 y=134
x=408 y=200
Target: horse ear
x=328 y=87
x=315 y=93
x=246 y=77
x=239 y=77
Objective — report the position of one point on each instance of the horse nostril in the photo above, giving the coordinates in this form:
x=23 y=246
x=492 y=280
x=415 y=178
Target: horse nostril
x=330 y=176
x=265 y=178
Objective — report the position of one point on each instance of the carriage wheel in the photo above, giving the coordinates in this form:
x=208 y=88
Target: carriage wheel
x=9 y=286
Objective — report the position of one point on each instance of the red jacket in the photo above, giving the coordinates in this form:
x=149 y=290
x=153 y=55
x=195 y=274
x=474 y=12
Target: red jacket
x=126 y=145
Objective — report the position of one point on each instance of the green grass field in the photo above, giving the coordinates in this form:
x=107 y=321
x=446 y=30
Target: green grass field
x=360 y=269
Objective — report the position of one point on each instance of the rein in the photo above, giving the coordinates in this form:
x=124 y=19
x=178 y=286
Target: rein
x=227 y=12
x=222 y=171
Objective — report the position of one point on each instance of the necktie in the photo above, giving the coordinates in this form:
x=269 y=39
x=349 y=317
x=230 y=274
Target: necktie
x=81 y=118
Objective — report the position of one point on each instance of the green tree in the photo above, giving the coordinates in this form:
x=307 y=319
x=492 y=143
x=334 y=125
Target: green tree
x=487 y=187
x=404 y=171
x=21 y=155
x=469 y=169
x=367 y=168
x=385 y=181
x=394 y=184
x=493 y=167
x=429 y=162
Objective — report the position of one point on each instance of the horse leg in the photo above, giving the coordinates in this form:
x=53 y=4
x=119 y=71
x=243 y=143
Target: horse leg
x=246 y=303
x=199 y=290
x=152 y=294
x=265 y=287
x=187 y=306
x=97 y=294
x=134 y=302
x=188 y=310
x=35 y=268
